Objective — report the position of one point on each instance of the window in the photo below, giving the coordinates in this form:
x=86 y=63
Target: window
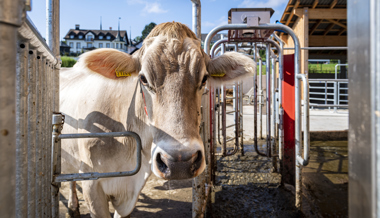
x=100 y=37
x=108 y=45
x=100 y=45
x=108 y=37
x=117 y=45
x=78 y=45
x=90 y=37
x=80 y=37
x=71 y=36
x=121 y=46
x=89 y=45
x=71 y=44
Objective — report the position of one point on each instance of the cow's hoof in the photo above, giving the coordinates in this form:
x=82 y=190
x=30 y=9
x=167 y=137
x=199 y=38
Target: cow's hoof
x=74 y=213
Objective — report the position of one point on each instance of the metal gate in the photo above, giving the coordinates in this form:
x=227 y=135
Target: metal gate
x=273 y=109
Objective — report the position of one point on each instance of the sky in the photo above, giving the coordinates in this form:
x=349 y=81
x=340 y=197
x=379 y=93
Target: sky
x=135 y=14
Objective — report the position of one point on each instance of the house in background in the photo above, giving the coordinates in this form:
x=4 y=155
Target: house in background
x=64 y=49
x=81 y=40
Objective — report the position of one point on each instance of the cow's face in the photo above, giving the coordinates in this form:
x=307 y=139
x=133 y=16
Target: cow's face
x=173 y=77
x=172 y=74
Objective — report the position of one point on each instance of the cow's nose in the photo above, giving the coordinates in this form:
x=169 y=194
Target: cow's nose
x=179 y=167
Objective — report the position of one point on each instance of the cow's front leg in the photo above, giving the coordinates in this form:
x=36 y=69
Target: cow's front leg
x=96 y=200
x=116 y=215
x=73 y=203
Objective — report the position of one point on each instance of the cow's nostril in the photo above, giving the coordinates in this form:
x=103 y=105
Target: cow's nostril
x=161 y=165
x=197 y=162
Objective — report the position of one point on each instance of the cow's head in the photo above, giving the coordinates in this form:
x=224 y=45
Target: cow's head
x=172 y=70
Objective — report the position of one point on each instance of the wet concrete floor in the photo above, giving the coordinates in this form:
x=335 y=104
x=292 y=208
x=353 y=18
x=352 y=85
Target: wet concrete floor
x=249 y=186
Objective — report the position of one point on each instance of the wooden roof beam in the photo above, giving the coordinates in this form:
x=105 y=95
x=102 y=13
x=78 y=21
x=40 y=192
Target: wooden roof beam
x=333 y=3
x=323 y=13
x=337 y=23
x=342 y=31
x=315 y=3
x=315 y=27
x=291 y=15
x=328 y=29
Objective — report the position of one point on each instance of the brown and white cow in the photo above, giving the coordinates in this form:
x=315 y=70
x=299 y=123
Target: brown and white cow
x=157 y=96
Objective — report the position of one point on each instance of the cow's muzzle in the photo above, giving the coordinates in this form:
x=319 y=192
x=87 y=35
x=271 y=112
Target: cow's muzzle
x=178 y=168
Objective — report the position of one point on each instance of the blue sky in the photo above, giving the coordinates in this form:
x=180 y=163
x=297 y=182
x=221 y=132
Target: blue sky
x=135 y=14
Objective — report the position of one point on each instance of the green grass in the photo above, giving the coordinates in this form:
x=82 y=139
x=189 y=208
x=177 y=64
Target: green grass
x=322 y=68
x=67 y=61
x=313 y=68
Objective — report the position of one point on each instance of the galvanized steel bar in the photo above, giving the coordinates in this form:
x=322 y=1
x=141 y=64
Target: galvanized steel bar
x=241 y=118
x=95 y=175
x=306 y=126
x=39 y=136
x=320 y=48
x=281 y=110
x=268 y=102
x=32 y=72
x=261 y=103
x=21 y=130
x=197 y=17
x=57 y=122
x=273 y=99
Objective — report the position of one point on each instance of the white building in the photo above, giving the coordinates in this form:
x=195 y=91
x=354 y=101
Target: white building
x=81 y=40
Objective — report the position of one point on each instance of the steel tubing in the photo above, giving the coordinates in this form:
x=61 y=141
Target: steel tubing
x=255 y=105
x=21 y=130
x=32 y=72
x=95 y=175
x=281 y=111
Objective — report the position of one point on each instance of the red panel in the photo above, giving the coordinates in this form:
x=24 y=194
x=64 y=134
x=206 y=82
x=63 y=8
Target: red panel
x=288 y=104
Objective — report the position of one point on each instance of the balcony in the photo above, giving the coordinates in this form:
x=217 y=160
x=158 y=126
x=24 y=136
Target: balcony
x=89 y=40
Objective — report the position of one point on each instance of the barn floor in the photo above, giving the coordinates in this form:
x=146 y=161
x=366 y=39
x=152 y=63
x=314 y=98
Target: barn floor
x=249 y=186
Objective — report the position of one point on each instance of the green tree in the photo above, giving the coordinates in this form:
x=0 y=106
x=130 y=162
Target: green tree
x=137 y=39
x=147 y=30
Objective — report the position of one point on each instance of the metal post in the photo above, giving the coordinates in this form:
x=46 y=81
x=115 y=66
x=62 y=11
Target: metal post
x=197 y=17
x=281 y=110
x=261 y=93
x=32 y=72
x=273 y=99
x=268 y=100
x=21 y=130
x=57 y=121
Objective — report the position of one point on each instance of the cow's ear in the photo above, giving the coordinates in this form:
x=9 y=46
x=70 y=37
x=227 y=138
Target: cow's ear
x=110 y=63
x=230 y=66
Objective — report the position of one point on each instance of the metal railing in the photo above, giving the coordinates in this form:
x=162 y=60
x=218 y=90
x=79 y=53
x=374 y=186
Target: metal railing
x=57 y=177
x=301 y=160
x=332 y=92
x=37 y=88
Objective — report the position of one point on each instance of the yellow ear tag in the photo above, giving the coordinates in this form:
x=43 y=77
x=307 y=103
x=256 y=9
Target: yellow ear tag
x=220 y=74
x=122 y=73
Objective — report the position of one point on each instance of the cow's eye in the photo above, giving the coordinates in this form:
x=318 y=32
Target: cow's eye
x=204 y=80
x=143 y=80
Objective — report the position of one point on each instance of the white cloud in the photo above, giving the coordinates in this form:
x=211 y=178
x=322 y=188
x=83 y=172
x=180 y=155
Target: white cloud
x=262 y=3
x=150 y=7
x=154 y=7
x=221 y=21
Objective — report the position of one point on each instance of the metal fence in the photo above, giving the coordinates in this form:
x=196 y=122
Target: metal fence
x=37 y=96
x=328 y=93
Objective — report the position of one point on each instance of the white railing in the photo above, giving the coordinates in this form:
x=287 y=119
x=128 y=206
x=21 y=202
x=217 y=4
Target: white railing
x=334 y=92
